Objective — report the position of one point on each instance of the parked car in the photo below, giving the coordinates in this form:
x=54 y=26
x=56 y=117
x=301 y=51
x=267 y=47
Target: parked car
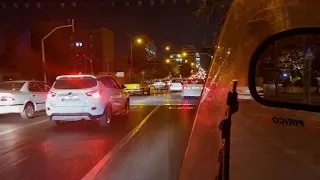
x=86 y=97
x=24 y=97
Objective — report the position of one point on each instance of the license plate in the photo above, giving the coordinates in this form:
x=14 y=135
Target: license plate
x=68 y=98
x=195 y=88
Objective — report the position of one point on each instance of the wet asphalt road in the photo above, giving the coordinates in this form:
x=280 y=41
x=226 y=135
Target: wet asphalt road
x=36 y=149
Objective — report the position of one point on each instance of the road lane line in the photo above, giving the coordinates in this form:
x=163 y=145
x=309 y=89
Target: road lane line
x=10 y=166
x=92 y=174
x=15 y=129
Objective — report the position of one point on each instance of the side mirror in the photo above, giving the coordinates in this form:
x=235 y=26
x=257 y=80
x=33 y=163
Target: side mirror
x=123 y=86
x=283 y=70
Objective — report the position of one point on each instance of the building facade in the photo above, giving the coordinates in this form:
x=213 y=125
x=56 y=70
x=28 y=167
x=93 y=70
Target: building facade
x=94 y=46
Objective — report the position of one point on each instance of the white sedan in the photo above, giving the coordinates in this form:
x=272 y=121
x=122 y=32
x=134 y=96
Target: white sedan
x=244 y=92
x=24 y=97
x=176 y=85
x=192 y=88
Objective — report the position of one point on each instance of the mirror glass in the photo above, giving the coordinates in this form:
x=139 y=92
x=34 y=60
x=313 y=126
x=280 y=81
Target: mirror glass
x=289 y=70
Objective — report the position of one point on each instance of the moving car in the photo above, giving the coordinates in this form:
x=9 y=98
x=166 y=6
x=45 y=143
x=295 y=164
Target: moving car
x=24 y=97
x=192 y=88
x=86 y=97
x=137 y=87
x=175 y=85
x=159 y=85
x=274 y=136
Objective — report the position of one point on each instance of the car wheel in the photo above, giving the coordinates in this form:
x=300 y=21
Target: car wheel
x=127 y=110
x=28 y=111
x=58 y=122
x=106 y=118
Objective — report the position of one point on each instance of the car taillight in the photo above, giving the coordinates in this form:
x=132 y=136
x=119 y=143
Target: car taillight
x=260 y=91
x=95 y=93
x=51 y=94
x=7 y=99
x=185 y=87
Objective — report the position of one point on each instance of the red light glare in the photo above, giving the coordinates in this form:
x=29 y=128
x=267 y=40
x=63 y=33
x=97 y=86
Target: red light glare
x=95 y=94
x=51 y=94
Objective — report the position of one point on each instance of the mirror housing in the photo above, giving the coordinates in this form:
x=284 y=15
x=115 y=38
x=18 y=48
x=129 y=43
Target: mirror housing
x=299 y=39
x=123 y=86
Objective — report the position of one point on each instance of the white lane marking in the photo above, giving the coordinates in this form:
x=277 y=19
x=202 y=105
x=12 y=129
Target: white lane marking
x=15 y=129
x=14 y=164
x=183 y=107
x=92 y=174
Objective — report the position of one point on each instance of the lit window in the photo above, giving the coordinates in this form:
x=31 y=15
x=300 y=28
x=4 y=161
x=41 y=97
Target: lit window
x=74 y=4
x=127 y=3
x=139 y=3
x=90 y=36
x=38 y=5
x=26 y=5
x=91 y=45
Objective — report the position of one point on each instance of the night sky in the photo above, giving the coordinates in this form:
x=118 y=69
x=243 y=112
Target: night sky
x=172 y=24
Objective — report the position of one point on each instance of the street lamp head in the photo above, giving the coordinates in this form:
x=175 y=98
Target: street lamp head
x=139 y=40
x=192 y=64
x=167 y=60
x=184 y=54
x=168 y=48
x=186 y=61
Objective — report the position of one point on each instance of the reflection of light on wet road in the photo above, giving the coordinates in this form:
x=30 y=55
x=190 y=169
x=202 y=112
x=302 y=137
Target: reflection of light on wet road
x=162 y=99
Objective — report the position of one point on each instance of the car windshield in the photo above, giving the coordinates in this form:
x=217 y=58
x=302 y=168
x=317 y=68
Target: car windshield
x=11 y=85
x=99 y=121
x=75 y=83
x=176 y=81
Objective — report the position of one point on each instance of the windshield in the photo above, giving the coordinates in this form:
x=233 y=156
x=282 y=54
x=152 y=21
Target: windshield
x=75 y=83
x=176 y=81
x=11 y=85
x=104 y=124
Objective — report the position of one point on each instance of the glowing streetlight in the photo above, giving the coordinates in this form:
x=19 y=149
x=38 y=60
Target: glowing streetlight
x=192 y=64
x=184 y=54
x=186 y=61
x=167 y=48
x=139 y=40
x=132 y=44
x=167 y=60
x=179 y=55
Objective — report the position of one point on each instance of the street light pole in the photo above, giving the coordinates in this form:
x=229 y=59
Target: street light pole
x=130 y=66
x=42 y=45
x=90 y=60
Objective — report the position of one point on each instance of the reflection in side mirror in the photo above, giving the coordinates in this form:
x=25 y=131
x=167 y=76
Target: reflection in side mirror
x=123 y=86
x=288 y=69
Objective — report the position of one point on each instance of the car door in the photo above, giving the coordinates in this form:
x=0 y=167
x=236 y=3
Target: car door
x=113 y=91
x=37 y=95
x=43 y=94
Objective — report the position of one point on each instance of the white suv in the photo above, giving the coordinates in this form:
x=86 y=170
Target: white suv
x=86 y=97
